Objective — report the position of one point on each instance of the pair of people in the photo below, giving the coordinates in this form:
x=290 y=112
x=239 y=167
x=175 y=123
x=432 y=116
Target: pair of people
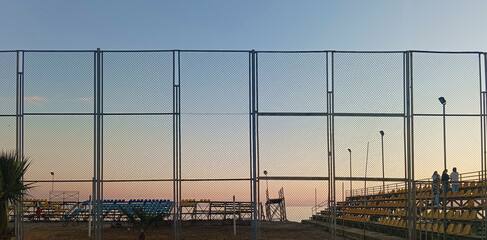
x=444 y=181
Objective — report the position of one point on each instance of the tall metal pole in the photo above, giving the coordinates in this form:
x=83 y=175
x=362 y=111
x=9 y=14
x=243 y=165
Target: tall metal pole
x=254 y=155
x=444 y=137
x=383 y=174
x=443 y=102
x=350 y=151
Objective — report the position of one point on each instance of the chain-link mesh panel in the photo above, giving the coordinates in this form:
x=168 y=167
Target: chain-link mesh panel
x=137 y=147
x=57 y=191
x=452 y=76
x=296 y=193
x=355 y=132
x=292 y=82
x=214 y=83
x=8 y=76
x=368 y=82
x=462 y=145
x=138 y=190
x=293 y=146
x=216 y=191
x=59 y=144
x=215 y=147
x=214 y=115
x=58 y=82
x=139 y=82
x=7 y=133
x=293 y=201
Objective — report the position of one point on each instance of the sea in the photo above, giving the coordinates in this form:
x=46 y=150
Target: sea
x=298 y=213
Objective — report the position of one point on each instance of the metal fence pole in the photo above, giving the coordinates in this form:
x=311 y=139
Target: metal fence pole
x=18 y=208
x=254 y=153
x=97 y=199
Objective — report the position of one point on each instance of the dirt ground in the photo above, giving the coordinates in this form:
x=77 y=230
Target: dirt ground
x=274 y=230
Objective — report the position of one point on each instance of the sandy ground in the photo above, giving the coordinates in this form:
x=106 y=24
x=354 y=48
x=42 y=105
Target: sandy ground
x=274 y=230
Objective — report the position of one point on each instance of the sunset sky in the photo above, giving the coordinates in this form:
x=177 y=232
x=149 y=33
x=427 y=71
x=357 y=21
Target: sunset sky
x=214 y=90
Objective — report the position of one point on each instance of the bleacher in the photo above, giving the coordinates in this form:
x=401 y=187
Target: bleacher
x=80 y=211
x=112 y=208
x=387 y=211
x=51 y=210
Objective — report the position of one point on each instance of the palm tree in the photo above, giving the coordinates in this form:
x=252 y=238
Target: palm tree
x=142 y=219
x=12 y=169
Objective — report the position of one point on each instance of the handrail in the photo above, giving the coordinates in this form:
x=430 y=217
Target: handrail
x=468 y=176
x=314 y=209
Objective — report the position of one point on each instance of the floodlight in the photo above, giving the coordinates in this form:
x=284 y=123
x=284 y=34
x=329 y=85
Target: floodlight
x=442 y=100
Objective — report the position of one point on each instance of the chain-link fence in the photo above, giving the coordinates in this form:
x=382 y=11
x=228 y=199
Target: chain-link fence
x=285 y=134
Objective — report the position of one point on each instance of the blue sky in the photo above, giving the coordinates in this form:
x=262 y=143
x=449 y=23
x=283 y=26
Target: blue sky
x=218 y=83
x=260 y=25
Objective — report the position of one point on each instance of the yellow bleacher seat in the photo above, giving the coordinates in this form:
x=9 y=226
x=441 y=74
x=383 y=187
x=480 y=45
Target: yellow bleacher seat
x=464 y=185
x=420 y=225
x=454 y=194
x=435 y=227
x=470 y=203
x=436 y=214
x=402 y=223
x=458 y=229
x=457 y=215
x=441 y=228
x=423 y=214
x=479 y=184
x=461 y=193
x=473 y=184
x=473 y=215
x=467 y=230
x=450 y=228
x=394 y=222
x=468 y=193
x=448 y=194
x=428 y=227
x=465 y=215
x=449 y=214
x=475 y=193
x=429 y=214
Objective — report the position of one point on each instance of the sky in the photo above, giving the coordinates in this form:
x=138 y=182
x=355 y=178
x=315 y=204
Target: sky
x=215 y=89
x=260 y=25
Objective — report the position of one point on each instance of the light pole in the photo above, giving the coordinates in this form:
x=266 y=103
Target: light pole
x=350 y=151
x=383 y=175
x=443 y=102
x=52 y=184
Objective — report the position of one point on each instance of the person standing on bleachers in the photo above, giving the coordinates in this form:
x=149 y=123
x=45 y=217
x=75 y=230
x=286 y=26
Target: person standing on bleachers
x=444 y=181
x=436 y=186
x=454 y=180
